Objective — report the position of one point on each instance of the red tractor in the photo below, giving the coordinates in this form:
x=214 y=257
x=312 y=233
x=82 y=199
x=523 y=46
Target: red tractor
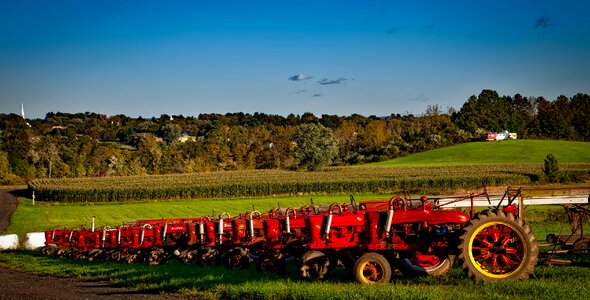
x=492 y=245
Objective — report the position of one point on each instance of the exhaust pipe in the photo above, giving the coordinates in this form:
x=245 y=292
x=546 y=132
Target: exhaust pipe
x=202 y=231
x=251 y=223
x=389 y=221
x=164 y=231
x=220 y=226
x=142 y=234
x=328 y=225
x=288 y=224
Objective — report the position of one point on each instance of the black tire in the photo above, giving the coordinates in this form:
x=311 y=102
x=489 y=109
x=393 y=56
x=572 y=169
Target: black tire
x=190 y=257
x=156 y=256
x=497 y=246
x=410 y=266
x=96 y=254
x=134 y=257
x=48 y=250
x=271 y=263
x=236 y=259
x=114 y=255
x=313 y=265
x=209 y=256
x=63 y=251
x=372 y=268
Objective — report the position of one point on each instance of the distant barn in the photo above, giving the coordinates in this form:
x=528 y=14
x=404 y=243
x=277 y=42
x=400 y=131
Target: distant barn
x=503 y=135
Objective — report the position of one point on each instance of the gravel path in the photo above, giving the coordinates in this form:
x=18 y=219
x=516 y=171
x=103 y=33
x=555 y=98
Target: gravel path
x=16 y=284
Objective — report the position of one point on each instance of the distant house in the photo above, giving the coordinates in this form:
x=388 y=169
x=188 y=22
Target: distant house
x=185 y=138
x=503 y=135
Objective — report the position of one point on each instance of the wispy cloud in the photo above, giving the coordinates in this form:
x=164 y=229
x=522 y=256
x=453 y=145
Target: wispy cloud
x=394 y=29
x=298 y=92
x=326 y=81
x=318 y=95
x=300 y=77
x=420 y=98
x=543 y=22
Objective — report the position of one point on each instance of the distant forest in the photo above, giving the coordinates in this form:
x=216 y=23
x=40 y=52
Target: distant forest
x=90 y=144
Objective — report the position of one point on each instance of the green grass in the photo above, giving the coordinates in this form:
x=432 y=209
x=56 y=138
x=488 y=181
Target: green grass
x=44 y=215
x=513 y=151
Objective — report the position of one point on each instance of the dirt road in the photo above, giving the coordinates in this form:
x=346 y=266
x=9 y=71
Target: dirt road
x=8 y=205
x=20 y=285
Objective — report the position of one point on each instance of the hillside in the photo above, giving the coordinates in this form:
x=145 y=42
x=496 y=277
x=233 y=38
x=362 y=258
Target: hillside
x=515 y=151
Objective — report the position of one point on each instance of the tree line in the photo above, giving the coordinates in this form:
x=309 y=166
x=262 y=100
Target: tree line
x=91 y=144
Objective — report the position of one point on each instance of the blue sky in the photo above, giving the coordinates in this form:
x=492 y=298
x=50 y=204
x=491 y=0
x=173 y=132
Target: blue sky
x=147 y=58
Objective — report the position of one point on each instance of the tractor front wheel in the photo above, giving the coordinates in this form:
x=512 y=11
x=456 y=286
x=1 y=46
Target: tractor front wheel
x=271 y=263
x=48 y=250
x=497 y=246
x=209 y=256
x=313 y=265
x=190 y=257
x=156 y=256
x=236 y=259
x=372 y=268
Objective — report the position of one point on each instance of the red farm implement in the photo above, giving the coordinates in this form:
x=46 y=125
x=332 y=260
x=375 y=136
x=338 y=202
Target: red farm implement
x=420 y=237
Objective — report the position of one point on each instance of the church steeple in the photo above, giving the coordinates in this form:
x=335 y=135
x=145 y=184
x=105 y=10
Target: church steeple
x=22 y=113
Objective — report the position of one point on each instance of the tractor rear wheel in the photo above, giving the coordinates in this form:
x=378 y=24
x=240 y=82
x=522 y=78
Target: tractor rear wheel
x=313 y=265
x=496 y=246
x=372 y=268
x=426 y=264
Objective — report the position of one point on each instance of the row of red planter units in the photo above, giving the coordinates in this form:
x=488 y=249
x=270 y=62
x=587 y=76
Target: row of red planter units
x=371 y=237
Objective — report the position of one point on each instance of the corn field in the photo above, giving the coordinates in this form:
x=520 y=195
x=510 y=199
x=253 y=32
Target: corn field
x=276 y=182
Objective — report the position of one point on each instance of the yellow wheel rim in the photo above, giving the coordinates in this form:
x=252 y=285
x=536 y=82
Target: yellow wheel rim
x=371 y=272
x=497 y=250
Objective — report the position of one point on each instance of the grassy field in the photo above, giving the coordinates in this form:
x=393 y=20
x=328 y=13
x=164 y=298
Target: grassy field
x=513 y=151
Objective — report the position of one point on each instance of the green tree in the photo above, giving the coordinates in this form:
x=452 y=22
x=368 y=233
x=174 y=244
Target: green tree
x=316 y=146
x=581 y=115
x=489 y=111
x=6 y=177
x=49 y=151
x=170 y=133
x=551 y=168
